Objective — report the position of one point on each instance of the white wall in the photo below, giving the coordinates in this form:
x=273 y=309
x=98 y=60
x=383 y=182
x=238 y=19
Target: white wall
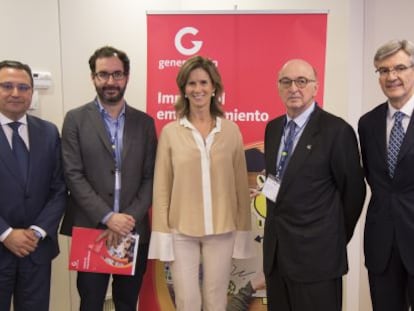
x=60 y=35
x=384 y=20
x=31 y=35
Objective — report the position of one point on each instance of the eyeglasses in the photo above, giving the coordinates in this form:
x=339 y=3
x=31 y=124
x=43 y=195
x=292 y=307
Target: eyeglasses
x=300 y=82
x=104 y=76
x=399 y=69
x=9 y=87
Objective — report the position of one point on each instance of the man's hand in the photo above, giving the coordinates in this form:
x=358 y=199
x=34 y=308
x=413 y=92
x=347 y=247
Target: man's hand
x=21 y=242
x=254 y=192
x=121 y=223
x=112 y=238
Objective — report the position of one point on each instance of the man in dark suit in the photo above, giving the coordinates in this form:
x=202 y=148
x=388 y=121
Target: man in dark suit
x=315 y=190
x=387 y=147
x=108 y=156
x=32 y=194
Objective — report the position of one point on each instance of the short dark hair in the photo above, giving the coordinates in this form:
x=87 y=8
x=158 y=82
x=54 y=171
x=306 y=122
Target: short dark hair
x=109 y=51
x=17 y=65
x=182 y=106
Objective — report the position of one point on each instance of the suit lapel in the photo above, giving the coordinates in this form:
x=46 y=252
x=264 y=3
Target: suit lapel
x=8 y=159
x=379 y=128
x=129 y=130
x=98 y=123
x=408 y=141
x=35 y=146
x=302 y=150
x=277 y=132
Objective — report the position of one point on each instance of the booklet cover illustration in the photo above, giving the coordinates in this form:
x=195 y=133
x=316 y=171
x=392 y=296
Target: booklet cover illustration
x=89 y=255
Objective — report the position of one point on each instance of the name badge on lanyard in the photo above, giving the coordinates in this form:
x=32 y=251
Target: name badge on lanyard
x=271 y=188
x=117 y=179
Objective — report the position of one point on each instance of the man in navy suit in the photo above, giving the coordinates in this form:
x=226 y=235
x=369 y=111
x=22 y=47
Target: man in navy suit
x=32 y=194
x=387 y=146
x=108 y=155
x=316 y=190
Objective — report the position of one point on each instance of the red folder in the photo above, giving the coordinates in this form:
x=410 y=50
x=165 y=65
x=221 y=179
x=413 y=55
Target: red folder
x=88 y=255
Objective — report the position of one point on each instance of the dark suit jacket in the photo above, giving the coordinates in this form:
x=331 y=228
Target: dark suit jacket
x=42 y=200
x=89 y=168
x=319 y=201
x=390 y=215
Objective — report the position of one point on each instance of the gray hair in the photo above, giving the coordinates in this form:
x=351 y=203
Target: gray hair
x=392 y=47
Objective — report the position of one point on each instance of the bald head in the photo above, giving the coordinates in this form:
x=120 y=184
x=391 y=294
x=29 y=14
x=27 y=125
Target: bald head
x=298 y=65
x=298 y=86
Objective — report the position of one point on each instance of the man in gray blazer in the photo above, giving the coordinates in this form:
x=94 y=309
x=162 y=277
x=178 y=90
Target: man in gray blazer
x=108 y=152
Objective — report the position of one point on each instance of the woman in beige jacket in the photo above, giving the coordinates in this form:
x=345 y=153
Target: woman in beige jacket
x=201 y=206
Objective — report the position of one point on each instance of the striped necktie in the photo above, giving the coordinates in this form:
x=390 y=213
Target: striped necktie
x=394 y=145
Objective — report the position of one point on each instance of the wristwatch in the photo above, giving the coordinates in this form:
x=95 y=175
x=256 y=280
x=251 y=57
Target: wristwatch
x=37 y=234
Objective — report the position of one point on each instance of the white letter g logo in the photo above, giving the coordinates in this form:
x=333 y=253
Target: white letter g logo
x=178 y=45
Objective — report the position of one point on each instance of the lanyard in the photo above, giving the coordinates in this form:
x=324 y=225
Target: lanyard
x=113 y=137
x=288 y=140
x=116 y=152
x=116 y=148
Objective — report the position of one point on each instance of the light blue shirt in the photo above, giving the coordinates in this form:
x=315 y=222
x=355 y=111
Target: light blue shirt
x=115 y=130
x=301 y=121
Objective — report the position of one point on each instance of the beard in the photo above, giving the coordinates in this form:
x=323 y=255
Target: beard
x=115 y=94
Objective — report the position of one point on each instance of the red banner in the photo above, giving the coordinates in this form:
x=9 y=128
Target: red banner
x=248 y=49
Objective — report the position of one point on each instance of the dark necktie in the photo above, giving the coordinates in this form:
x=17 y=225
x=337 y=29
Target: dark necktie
x=394 y=144
x=19 y=149
x=289 y=137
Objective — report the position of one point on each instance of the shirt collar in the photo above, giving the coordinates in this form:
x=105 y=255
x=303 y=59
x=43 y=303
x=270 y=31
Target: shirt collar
x=5 y=120
x=104 y=112
x=407 y=109
x=186 y=123
x=301 y=119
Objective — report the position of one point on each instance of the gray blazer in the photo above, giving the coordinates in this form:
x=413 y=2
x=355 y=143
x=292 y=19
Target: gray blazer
x=89 y=168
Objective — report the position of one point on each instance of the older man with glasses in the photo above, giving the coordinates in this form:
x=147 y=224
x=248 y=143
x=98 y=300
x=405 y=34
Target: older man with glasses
x=315 y=192
x=387 y=147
